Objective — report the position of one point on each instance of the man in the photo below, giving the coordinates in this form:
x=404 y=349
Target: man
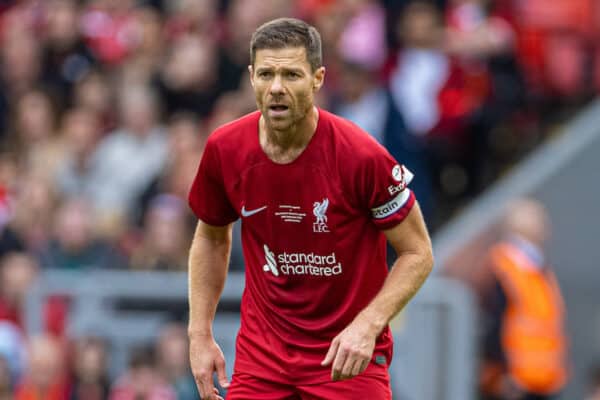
x=525 y=350
x=317 y=197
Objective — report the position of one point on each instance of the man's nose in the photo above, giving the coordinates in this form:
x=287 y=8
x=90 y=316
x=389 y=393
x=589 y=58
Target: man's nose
x=277 y=86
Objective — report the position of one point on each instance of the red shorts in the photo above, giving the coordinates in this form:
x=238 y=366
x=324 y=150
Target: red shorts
x=372 y=386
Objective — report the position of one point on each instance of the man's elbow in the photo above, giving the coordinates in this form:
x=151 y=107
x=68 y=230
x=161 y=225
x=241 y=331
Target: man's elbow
x=428 y=260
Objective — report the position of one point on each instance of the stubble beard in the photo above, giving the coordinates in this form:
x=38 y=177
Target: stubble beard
x=282 y=127
x=283 y=130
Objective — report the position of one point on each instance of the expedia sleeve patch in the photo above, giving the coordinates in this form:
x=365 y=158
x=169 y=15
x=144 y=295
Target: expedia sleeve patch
x=391 y=206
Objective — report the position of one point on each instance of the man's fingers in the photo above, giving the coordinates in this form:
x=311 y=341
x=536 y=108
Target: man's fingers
x=364 y=366
x=214 y=396
x=331 y=353
x=221 y=373
x=205 y=385
x=357 y=367
x=348 y=367
x=338 y=364
x=217 y=396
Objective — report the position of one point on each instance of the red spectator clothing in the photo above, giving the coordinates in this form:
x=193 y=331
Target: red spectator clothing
x=312 y=239
x=125 y=390
x=110 y=36
x=552 y=41
x=454 y=100
x=9 y=312
x=57 y=391
x=28 y=16
x=54 y=315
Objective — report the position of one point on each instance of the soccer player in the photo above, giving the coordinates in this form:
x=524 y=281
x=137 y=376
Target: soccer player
x=318 y=197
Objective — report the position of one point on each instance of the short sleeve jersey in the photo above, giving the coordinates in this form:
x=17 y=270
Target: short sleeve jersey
x=311 y=235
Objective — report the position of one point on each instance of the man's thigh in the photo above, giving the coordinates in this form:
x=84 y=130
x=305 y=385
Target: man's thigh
x=372 y=387
x=246 y=387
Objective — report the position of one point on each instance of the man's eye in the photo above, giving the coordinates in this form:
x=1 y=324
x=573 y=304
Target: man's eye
x=293 y=75
x=264 y=74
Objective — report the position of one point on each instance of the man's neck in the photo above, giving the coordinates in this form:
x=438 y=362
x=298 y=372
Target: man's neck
x=284 y=146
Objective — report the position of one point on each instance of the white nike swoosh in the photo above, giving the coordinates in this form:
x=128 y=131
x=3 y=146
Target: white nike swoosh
x=247 y=213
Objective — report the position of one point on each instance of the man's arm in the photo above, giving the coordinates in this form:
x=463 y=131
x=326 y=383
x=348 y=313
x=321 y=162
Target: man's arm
x=352 y=349
x=208 y=262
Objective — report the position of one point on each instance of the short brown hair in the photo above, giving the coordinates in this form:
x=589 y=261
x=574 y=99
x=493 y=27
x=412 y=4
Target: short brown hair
x=288 y=32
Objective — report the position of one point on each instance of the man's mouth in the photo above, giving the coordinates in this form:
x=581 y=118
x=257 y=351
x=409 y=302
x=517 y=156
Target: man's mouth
x=278 y=107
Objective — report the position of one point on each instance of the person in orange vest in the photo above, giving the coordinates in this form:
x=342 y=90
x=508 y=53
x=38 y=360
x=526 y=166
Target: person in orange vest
x=525 y=346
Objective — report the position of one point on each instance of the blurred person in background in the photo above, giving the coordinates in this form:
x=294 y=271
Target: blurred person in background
x=94 y=92
x=35 y=137
x=148 y=53
x=108 y=27
x=190 y=89
x=45 y=377
x=18 y=272
x=90 y=374
x=65 y=56
x=186 y=139
x=128 y=159
x=420 y=69
x=142 y=380
x=361 y=48
x=364 y=31
x=13 y=356
x=165 y=233
x=6 y=385
x=10 y=240
x=186 y=135
x=193 y=16
x=35 y=201
x=74 y=244
x=20 y=68
x=173 y=361
x=80 y=131
x=525 y=343
x=556 y=42
x=481 y=43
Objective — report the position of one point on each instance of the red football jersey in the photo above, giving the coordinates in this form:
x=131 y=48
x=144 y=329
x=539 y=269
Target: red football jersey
x=311 y=234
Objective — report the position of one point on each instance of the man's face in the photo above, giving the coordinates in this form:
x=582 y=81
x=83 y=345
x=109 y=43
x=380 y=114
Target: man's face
x=284 y=85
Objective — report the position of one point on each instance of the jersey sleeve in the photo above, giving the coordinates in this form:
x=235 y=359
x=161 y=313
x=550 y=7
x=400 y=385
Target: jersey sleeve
x=208 y=198
x=384 y=187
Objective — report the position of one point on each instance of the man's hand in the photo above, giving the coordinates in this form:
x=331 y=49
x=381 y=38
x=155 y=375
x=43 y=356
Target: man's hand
x=351 y=350
x=206 y=358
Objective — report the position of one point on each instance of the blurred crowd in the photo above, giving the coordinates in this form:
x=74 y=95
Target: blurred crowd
x=105 y=106
x=51 y=368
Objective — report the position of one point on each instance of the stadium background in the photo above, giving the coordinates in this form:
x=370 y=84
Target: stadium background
x=105 y=106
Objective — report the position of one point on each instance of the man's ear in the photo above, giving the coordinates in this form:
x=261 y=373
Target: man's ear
x=251 y=71
x=319 y=78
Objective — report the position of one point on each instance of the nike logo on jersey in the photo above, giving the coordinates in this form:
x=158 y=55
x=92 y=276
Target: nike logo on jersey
x=248 y=213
